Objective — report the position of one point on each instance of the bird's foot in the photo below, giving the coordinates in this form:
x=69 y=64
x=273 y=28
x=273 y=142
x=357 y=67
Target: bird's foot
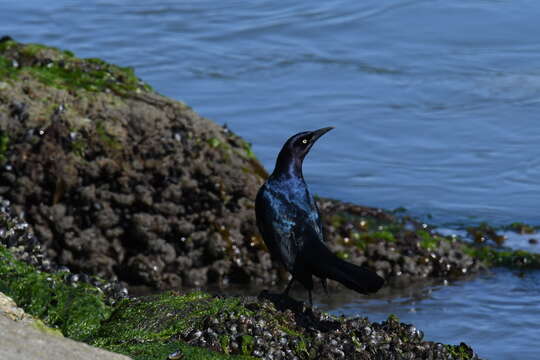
x=281 y=301
x=288 y=288
x=323 y=283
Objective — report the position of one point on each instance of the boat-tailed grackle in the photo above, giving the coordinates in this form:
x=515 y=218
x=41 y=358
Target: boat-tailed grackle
x=290 y=224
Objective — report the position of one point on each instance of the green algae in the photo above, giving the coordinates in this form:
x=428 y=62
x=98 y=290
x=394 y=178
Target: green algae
x=248 y=150
x=374 y=236
x=4 y=146
x=108 y=140
x=157 y=350
x=521 y=228
x=40 y=325
x=60 y=69
x=224 y=341
x=160 y=320
x=7 y=44
x=364 y=229
x=503 y=258
x=79 y=146
x=427 y=241
x=6 y=69
x=214 y=142
x=247 y=344
x=342 y=255
x=153 y=327
x=33 y=50
x=461 y=351
x=76 y=310
x=106 y=77
x=372 y=228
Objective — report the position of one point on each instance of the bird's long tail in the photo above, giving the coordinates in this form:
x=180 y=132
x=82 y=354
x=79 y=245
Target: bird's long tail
x=325 y=264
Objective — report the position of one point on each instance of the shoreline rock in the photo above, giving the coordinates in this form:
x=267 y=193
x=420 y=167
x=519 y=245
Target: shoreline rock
x=269 y=327
x=173 y=325
x=119 y=181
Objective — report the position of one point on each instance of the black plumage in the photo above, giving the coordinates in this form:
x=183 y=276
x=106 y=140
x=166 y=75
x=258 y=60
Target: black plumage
x=290 y=224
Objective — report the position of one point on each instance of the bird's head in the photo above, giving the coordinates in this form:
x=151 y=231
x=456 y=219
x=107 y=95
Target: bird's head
x=296 y=148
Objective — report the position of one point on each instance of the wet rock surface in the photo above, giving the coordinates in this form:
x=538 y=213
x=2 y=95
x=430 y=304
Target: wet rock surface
x=17 y=237
x=198 y=325
x=399 y=248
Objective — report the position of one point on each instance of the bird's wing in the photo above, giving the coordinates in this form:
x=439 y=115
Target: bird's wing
x=316 y=219
x=287 y=226
x=276 y=220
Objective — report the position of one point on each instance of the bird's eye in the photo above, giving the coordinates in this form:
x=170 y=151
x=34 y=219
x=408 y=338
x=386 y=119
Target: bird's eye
x=304 y=141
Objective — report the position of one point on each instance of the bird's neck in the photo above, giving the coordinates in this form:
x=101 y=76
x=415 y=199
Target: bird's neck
x=288 y=166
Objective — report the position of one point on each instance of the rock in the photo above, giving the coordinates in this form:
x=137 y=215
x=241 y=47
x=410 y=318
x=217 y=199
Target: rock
x=18 y=243
x=92 y=148
x=269 y=324
x=24 y=340
x=9 y=309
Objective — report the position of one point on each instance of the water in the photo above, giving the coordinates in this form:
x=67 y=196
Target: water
x=435 y=105
x=497 y=313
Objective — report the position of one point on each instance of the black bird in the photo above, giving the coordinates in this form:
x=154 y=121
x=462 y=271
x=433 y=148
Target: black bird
x=290 y=224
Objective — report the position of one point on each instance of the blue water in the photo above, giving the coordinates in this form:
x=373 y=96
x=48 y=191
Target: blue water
x=435 y=105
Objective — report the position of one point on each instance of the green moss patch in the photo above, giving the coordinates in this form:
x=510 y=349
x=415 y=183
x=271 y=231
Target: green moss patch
x=152 y=327
x=461 y=351
x=521 y=228
x=60 y=69
x=427 y=240
x=507 y=258
x=4 y=146
x=77 y=310
x=162 y=351
x=139 y=328
x=164 y=316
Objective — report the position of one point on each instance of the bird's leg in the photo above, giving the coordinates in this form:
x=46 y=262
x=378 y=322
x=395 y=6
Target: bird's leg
x=323 y=283
x=286 y=292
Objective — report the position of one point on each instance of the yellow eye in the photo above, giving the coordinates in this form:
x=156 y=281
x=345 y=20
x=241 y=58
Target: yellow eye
x=304 y=141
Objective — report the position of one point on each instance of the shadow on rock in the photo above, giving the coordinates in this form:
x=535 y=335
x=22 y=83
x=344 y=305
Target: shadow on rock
x=304 y=316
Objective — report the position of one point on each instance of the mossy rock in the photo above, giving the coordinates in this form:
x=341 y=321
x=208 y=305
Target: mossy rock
x=516 y=259
x=198 y=325
x=61 y=69
x=76 y=310
x=154 y=326
x=119 y=181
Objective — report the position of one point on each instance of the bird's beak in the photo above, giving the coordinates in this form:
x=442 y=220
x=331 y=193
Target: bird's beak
x=318 y=133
